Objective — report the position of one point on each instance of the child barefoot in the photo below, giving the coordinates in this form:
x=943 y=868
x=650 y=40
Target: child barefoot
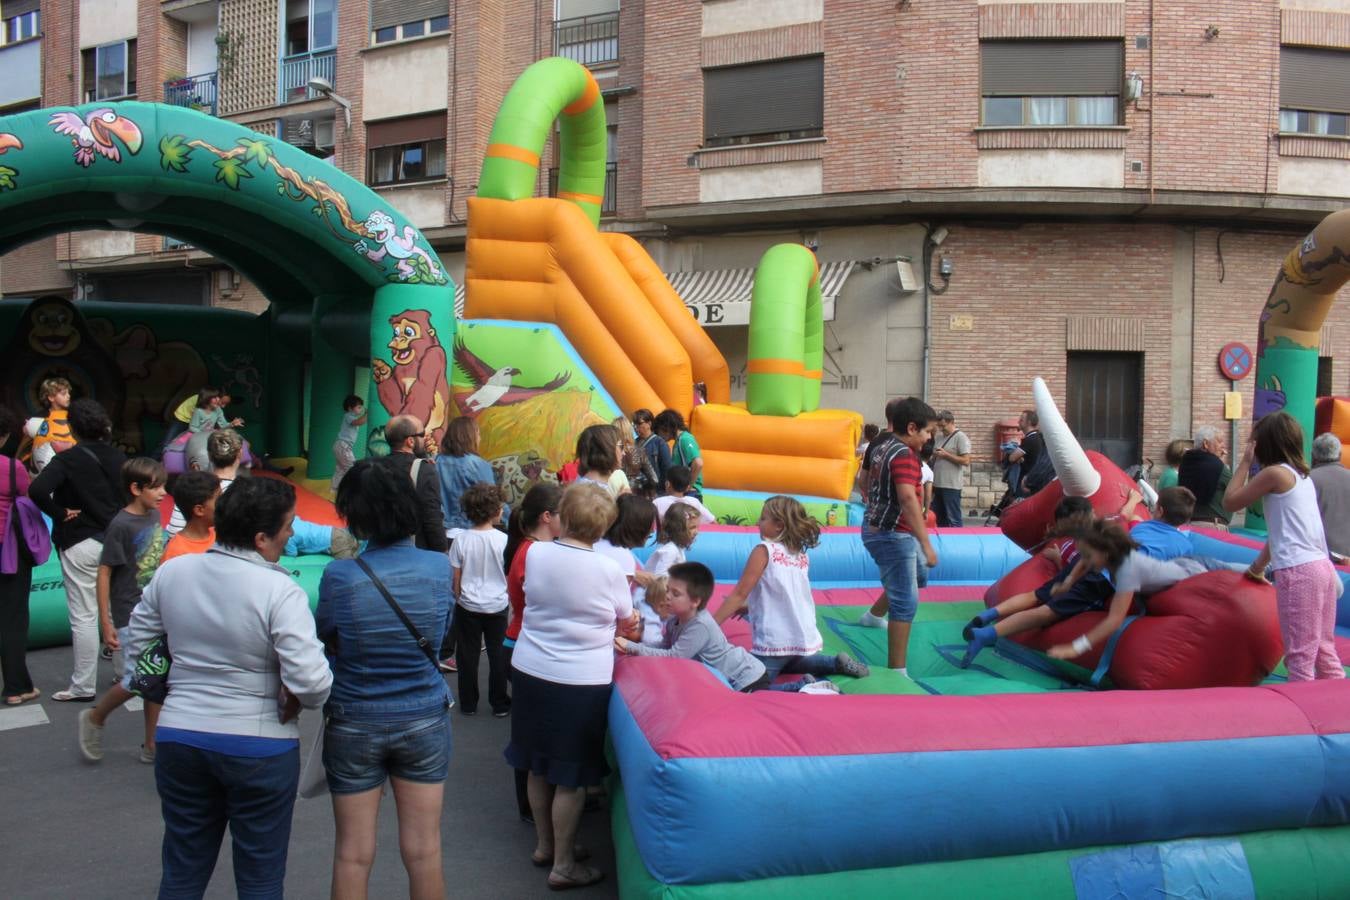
x=1306 y=584
x=696 y=635
x=777 y=588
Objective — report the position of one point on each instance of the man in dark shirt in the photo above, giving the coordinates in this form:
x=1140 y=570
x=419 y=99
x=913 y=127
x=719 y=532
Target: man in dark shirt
x=81 y=491
x=1029 y=453
x=407 y=445
x=1203 y=473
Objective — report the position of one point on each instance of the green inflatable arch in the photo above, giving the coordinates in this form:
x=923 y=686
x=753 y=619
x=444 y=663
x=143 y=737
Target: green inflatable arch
x=787 y=333
x=347 y=275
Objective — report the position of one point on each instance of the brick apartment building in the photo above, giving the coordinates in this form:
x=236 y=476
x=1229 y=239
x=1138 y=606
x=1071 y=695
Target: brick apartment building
x=1095 y=192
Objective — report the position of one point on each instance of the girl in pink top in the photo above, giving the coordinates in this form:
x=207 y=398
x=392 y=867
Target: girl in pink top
x=1306 y=583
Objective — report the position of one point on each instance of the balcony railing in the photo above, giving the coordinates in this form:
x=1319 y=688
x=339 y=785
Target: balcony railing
x=296 y=71
x=589 y=40
x=196 y=92
x=609 y=205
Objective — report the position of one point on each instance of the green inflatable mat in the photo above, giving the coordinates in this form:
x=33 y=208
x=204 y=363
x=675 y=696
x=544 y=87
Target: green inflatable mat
x=49 y=622
x=1300 y=864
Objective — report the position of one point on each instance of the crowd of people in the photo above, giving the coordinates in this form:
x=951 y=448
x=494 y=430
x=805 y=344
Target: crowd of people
x=435 y=569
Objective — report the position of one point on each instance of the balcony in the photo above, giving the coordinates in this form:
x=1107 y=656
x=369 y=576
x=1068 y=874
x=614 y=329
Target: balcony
x=589 y=40
x=609 y=206
x=195 y=92
x=296 y=72
x=20 y=71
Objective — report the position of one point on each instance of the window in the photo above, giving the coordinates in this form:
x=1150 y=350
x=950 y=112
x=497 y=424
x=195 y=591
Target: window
x=109 y=72
x=1041 y=84
x=392 y=20
x=768 y=101
x=1315 y=91
x=1326 y=384
x=406 y=150
x=19 y=27
x=587 y=31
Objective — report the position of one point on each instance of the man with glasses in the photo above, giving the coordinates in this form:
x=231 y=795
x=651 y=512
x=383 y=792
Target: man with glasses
x=408 y=445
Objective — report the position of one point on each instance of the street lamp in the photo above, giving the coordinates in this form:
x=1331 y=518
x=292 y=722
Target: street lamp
x=324 y=87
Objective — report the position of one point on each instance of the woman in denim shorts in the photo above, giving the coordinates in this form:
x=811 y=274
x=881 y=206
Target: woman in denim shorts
x=388 y=712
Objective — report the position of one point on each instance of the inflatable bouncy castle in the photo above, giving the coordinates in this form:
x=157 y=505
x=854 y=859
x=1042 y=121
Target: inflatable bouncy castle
x=612 y=334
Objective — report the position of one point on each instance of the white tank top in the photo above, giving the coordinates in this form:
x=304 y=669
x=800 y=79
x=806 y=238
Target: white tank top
x=1295 y=523
x=782 y=611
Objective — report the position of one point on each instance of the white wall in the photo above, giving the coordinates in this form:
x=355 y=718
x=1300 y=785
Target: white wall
x=404 y=79
x=201 y=48
x=1314 y=177
x=1052 y=168
x=424 y=205
x=780 y=179
x=105 y=21
x=732 y=16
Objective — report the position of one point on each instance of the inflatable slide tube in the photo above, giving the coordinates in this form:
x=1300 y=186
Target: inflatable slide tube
x=787 y=333
x=1290 y=333
x=778 y=474
x=900 y=779
x=824 y=433
x=709 y=366
x=1257 y=864
x=551 y=89
x=974 y=556
x=743 y=507
x=540 y=261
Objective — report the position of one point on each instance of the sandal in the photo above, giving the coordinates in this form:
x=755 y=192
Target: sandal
x=72 y=697
x=579 y=853
x=588 y=877
x=20 y=699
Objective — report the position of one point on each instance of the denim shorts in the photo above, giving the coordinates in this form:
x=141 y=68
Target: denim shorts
x=896 y=554
x=359 y=756
x=122 y=635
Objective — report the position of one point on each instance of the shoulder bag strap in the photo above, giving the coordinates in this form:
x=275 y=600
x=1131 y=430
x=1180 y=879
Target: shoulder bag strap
x=423 y=644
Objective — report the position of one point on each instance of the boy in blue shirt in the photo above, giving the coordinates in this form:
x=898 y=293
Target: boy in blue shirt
x=1160 y=538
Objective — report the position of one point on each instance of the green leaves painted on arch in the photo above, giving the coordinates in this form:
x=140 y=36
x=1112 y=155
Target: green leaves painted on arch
x=256 y=151
x=8 y=180
x=230 y=170
x=174 y=153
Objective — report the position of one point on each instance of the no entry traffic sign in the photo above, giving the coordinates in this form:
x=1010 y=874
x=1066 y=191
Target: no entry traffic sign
x=1236 y=361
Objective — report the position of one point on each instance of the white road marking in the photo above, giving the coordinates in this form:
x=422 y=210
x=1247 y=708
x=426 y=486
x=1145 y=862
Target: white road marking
x=25 y=716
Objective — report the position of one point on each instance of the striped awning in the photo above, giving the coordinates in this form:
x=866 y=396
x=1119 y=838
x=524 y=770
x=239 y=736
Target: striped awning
x=722 y=296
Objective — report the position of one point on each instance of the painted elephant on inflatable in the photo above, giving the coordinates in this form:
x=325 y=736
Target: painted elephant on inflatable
x=1215 y=629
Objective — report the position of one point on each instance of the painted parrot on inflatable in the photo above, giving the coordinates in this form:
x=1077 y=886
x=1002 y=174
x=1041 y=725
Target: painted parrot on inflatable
x=1212 y=630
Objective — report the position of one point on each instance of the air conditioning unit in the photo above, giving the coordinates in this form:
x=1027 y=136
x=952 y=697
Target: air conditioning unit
x=300 y=132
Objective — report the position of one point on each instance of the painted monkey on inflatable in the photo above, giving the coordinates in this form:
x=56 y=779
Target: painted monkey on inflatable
x=1215 y=629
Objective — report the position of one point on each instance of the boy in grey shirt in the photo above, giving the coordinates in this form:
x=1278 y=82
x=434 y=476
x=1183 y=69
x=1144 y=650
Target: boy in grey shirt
x=696 y=635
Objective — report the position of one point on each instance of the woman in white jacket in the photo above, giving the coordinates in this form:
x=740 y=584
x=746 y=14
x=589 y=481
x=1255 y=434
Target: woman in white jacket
x=245 y=660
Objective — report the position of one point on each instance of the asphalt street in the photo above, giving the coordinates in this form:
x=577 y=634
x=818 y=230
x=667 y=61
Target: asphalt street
x=70 y=829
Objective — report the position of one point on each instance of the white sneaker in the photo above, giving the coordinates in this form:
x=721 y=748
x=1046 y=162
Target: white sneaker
x=91 y=737
x=867 y=620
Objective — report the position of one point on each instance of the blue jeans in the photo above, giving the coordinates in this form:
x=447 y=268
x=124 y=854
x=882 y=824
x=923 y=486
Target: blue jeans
x=817 y=664
x=947 y=507
x=359 y=756
x=200 y=792
x=896 y=554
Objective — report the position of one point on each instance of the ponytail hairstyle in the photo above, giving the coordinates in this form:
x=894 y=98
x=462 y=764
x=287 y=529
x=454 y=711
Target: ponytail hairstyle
x=541 y=498
x=800 y=531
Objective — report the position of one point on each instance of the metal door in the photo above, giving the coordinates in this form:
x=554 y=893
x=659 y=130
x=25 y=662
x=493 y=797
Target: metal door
x=1105 y=404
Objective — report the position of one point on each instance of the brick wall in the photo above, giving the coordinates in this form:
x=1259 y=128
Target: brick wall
x=672 y=109
x=1020 y=285
x=353 y=35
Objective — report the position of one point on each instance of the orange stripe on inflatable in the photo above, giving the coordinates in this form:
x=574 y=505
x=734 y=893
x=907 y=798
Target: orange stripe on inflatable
x=775 y=367
x=580 y=198
x=511 y=151
x=587 y=98
x=817 y=374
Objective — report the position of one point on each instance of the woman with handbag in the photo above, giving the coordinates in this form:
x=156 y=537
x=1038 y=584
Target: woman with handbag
x=382 y=617
x=245 y=660
x=14 y=586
